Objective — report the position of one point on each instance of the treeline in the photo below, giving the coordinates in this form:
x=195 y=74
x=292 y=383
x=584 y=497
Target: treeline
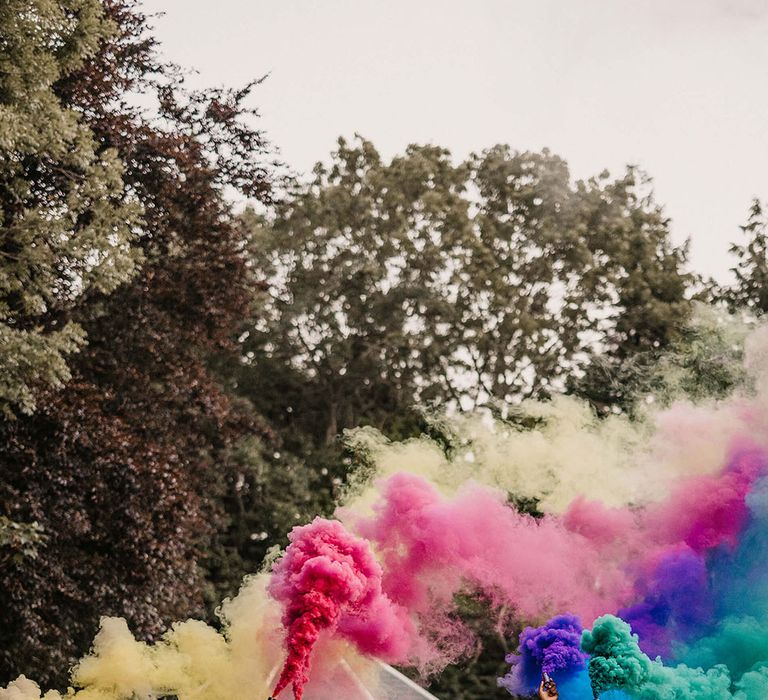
x=175 y=377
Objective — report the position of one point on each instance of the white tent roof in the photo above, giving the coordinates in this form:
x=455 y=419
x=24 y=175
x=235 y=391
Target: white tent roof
x=386 y=684
x=394 y=684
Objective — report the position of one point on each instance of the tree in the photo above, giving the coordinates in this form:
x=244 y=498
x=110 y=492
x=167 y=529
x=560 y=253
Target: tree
x=68 y=225
x=751 y=271
x=572 y=271
x=355 y=273
x=386 y=287
x=698 y=354
x=122 y=467
x=423 y=281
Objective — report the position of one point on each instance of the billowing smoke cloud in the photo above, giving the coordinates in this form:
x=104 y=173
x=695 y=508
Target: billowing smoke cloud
x=653 y=532
x=195 y=662
x=618 y=662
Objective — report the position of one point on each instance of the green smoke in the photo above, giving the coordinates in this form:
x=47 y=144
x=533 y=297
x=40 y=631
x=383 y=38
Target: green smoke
x=618 y=663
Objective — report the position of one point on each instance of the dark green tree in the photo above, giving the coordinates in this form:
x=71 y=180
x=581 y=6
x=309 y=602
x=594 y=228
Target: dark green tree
x=751 y=271
x=417 y=280
x=567 y=272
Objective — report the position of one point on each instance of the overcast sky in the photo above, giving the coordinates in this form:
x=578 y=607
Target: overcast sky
x=679 y=87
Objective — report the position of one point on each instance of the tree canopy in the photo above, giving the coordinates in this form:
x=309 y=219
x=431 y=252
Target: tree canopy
x=423 y=281
x=750 y=290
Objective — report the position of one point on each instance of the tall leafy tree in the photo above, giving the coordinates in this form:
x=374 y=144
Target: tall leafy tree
x=564 y=271
x=121 y=467
x=421 y=280
x=350 y=263
x=387 y=284
x=68 y=225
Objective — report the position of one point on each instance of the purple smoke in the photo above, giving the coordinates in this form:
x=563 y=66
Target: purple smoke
x=553 y=648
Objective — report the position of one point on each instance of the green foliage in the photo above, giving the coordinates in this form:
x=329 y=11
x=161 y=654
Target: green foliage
x=19 y=540
x=572 y=267
x=31 y=359
x=704 y=361
x=751 y=271
x=68 y=228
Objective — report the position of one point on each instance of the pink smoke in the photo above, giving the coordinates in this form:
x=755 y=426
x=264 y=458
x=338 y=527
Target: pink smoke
x=330 y=581
x=587 y=562
x=432 y=547
x=707 y=511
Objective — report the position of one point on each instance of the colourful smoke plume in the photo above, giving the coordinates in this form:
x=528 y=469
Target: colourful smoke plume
x=329 y=581
x=554 y=648
x=651 y=533
x=434 y=547
x=618 y=662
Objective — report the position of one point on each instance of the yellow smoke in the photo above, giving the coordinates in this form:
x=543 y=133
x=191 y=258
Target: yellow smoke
x=195 y=662
x=574 y=453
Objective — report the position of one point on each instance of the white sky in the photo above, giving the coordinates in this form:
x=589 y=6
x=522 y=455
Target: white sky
x=679 y=87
